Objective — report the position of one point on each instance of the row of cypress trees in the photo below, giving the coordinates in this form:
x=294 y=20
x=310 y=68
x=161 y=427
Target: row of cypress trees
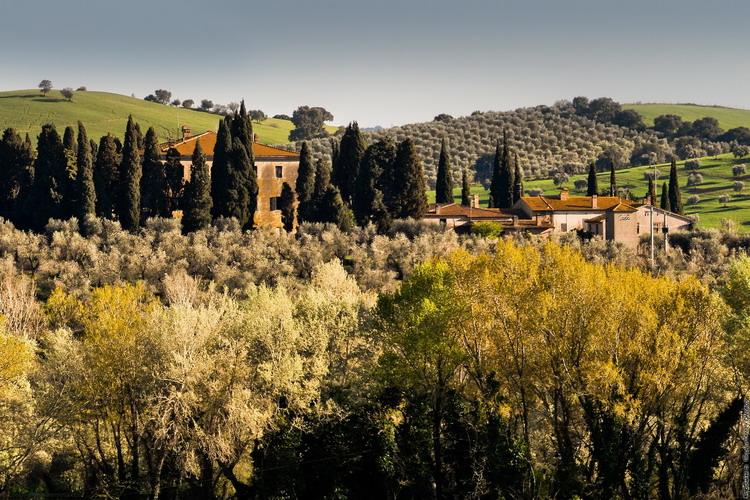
x=375 y=183
x=506 y=186
x=671 y=197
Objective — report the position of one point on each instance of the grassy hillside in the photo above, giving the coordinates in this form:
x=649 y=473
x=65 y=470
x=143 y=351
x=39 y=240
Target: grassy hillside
x=728 y=117
x=102 y=112
x=717 y=180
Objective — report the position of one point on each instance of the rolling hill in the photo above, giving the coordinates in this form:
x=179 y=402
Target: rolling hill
x=718 y=180
x=728 y=117
x=102 y=112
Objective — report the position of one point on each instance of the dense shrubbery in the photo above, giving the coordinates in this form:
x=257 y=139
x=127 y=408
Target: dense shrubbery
x=268 y=364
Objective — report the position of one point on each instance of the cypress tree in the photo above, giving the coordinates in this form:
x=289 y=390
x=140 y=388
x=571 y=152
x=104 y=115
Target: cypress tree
x=86 y=193
x=242 y=129
x=592 y=181
x=612 y=180
x=129 y=200
x=368 y=204
x=106 y=176
x=154 y=201
x=139 y=136
x=16 y=174
x=444 y=183
x=517 y=180
x=351 y=151
x=46 y=199
x=287 y=207
x=174 y=172
x=243 y=186
x=506 y=177
x=410 y=181
x=651 y=194
x=70 y=192
x=322 y=179
x=665 y=197
x=465 y=189
x=675 y=197
x=332 y=209
x=496 y=182
x=305 y=186
x=197 y=204
x=220 y=171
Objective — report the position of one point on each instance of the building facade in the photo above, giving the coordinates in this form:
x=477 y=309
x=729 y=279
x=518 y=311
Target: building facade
x=273 y=167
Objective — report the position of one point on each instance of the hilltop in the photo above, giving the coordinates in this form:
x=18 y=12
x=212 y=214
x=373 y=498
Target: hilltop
x=543 y=137
x=728 y=117
x=102 y=112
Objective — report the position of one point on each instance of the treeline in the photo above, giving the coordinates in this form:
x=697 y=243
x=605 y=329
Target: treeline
x=552 y=377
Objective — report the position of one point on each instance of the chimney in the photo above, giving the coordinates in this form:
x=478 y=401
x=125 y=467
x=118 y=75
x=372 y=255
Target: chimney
x=594 y=201
x=563 y=194
x=474 y=201
x=185 y=132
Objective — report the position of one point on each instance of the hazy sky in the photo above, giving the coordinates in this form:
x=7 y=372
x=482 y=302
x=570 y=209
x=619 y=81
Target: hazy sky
x=384 y=62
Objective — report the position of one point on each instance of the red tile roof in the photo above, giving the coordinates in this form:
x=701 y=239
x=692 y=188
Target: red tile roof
x=456 y=210
x=208 y=143
x=579 y=203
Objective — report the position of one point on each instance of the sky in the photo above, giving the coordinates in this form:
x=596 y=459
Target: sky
x=384 y=62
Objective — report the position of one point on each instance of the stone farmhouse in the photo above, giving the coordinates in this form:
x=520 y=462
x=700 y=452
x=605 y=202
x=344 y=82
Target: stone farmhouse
x=609 y=217
x=274 y=167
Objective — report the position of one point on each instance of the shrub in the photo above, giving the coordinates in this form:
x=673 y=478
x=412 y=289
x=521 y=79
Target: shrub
x=724 y=199
x=692 y=165
x=535 y=191
x=487 y=229
x=693 y=199
x=738 y=186
x=651 y=174
x=739 y=170
x=695 y=179
x=581 y=184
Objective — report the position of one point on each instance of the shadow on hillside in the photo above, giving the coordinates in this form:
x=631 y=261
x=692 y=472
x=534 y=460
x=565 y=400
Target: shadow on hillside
x=26 y=96
x=50 y=99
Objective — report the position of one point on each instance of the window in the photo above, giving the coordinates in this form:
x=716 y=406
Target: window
x=564 y=227
x=279 y=171
x=638 y=228
x=274 y=204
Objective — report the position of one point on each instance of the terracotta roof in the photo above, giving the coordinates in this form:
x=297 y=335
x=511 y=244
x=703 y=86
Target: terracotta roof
x=208 y=143
x=456 y=210
x=578 y=203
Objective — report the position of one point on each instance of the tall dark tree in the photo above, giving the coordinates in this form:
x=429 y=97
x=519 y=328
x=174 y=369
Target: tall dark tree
x=651 y=193
x=154 y=201
x=220 y=171
x=409 y=178
x=335 y=152
x=368 y=203
x=16 y=175
x=305 y=185
x=286 y=203
x=675 y=197
x=592 y=183
x=242 y=129
x=332 y=209
x=322 y=178
x=129 y=199
x=106 y=176
x=665 y=197
x=612 y=181
x=69 y=139
x=85 y=190
x=70 y=195
x=496 y=182
x=48 y=190
x=196 y=212
x=517 y=180
x=465 y=189
x=174 y=171
x=506 y=177
x=351 y=151
x=444 y=183
x=243 y=186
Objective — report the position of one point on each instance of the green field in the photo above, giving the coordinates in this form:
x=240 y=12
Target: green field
x=728 y=117
x=102 y=112
x=717 y=180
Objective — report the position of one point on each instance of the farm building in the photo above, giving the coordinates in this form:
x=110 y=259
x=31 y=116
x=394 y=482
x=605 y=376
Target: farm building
x=274 y=167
